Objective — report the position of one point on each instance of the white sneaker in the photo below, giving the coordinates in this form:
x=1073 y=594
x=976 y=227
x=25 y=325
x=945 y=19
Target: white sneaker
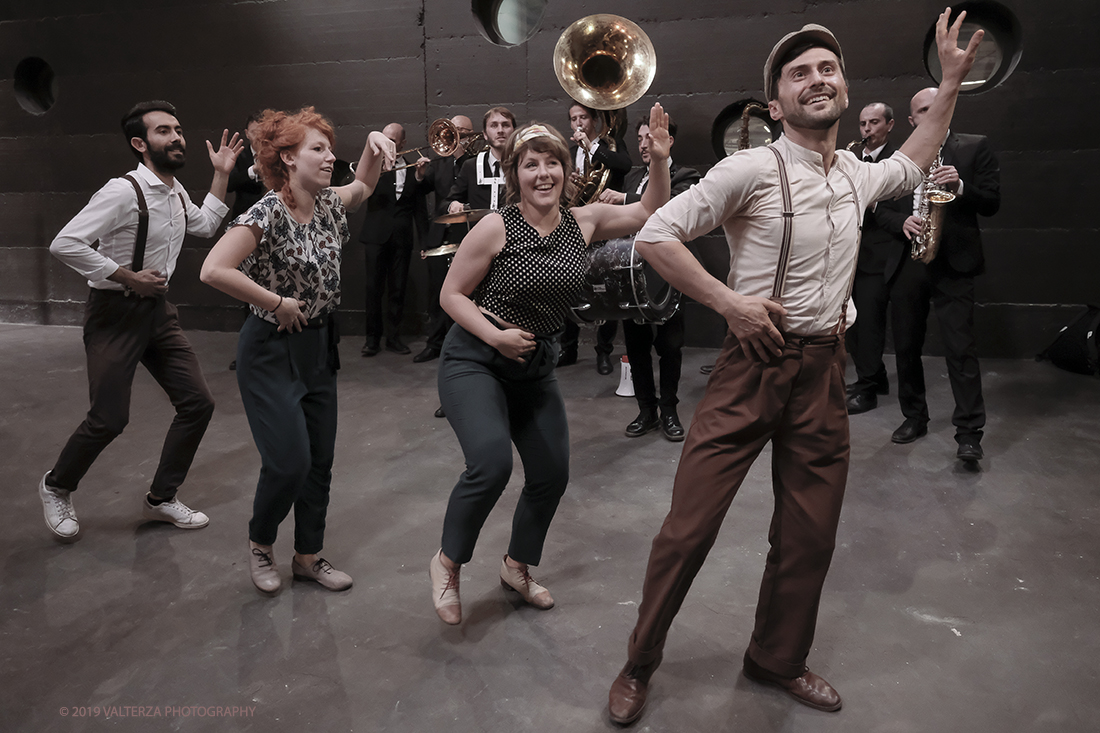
x=175 y=512
x=57 y=505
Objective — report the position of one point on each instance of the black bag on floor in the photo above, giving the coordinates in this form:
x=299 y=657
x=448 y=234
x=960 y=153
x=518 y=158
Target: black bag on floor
x=1077 y=347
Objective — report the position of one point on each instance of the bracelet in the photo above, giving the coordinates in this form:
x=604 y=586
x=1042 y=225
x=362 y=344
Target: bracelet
x=277 y=306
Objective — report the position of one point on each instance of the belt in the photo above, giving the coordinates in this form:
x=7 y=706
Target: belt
x=794 y=339
x=317 y=323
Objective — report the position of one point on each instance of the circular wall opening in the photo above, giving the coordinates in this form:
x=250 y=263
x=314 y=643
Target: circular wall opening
x=35 y=85
x=733 y=130
x=998 y=52
x=508 y=22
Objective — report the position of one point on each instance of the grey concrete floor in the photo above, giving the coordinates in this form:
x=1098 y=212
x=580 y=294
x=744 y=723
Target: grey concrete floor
x=959 y=600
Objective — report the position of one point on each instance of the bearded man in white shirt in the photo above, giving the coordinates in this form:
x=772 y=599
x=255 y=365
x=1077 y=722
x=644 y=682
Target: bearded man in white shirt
x=791 y=213
x=140 y=221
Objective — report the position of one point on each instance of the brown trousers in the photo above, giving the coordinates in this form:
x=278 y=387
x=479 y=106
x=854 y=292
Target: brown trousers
x=797 y=403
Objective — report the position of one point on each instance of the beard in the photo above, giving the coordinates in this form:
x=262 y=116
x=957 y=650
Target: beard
x=163 y=160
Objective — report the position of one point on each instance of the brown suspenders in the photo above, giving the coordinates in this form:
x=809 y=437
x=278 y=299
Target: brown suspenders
x=788 y=232
x=138 y=263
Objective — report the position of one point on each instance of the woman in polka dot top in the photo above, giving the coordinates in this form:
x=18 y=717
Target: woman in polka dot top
x=508 y=291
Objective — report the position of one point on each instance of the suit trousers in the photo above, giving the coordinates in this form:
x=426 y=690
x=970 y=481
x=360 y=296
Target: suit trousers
x=867 y=337
x=387 y=277
x=918 y=287
x=288 y=388
x=120 y=332
x=605 y=337
x=439 y=323
x=668 y=339
x=491 y=403
x=797 y=403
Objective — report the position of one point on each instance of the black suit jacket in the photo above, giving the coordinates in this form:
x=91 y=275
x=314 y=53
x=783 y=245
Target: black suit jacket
x=385 y=208
x=880 y=250
x=439 y=180
x=466 y=189
x=247 y=191
x=960 y=252
x=682 y=179
x=617 y=161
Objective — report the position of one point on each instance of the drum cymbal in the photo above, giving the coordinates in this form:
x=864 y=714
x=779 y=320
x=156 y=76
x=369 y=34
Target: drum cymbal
x=468 y=216
x=446 y=249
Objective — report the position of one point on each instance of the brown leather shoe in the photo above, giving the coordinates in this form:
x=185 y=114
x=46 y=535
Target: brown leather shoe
x=445 y=590
x=808 y=689
x=520 y=581
x=626 y=701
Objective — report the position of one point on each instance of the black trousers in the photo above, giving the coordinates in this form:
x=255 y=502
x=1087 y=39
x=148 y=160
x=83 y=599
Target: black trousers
x=439 y=323
x=387 y=278
x=493 y=402
x=918 y=287
x=668 y=340
x=120 y=332
x=605 y=337
x=867 y=337
x=288 y=387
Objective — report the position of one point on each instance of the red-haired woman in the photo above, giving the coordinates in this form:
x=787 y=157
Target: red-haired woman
x=287 y=248
x=508 y=291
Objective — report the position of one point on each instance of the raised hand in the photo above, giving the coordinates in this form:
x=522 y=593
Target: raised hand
x=659 y=141
x=224 y=158
x=955 y=62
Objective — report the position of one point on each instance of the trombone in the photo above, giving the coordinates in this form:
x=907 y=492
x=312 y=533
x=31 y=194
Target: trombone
x=444 y=138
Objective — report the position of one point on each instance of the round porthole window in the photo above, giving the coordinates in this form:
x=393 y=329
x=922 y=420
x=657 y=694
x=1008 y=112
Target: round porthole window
x=35 y=85
x=508 y=22
x=735 y=128
x=998 y=52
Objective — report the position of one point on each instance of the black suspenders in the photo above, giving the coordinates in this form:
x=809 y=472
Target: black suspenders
x=138 y=263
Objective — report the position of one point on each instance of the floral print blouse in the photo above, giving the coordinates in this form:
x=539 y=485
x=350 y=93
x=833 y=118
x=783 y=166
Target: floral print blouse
x=295 y=260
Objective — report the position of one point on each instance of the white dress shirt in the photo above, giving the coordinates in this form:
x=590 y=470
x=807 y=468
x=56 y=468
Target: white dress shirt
x=111 y=216
x=742 y=195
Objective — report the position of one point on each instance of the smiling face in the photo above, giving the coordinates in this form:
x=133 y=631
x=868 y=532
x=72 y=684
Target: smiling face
x=812 y=92
x=540 y=177
x=163 y=147
x=310 y=164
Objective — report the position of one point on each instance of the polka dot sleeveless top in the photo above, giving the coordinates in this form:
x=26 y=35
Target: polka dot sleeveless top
x=534 y=279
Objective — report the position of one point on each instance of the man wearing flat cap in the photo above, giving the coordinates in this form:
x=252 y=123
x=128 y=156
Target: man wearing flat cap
x=791 y=213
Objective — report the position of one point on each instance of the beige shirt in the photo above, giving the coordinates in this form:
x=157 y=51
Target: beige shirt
x=742 y=195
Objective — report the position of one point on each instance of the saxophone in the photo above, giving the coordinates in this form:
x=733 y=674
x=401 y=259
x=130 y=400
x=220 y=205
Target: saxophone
x=931 y=210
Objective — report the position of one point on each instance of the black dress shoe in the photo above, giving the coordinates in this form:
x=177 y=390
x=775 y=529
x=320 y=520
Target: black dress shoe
x=603 y=364
x=671 y=427
x=397 y=346
x=646 y=422
x=626 y=700
x=910 y=430
x=970 y=448
x=882 y=385
x=567 y=358
x=427 y=354
x=858 y=403
x=440 y=413
x=371 y=347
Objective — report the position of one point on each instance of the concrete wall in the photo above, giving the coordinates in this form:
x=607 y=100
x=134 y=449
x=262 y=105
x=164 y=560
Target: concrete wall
x=368 y=63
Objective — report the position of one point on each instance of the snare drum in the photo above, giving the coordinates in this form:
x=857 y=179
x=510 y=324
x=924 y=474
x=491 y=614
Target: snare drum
x=619 y=284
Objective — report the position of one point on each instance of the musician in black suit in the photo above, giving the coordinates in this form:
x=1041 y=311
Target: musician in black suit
x=970 y=170
x=584 y=122
x=478 y=184
x=244 y=179
x=387 y=236
x=668 y=337
x=438 y=177
x=880 y=254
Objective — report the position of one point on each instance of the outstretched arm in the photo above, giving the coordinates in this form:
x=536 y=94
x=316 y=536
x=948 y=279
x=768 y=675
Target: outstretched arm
x=378 y=151
x=923 y=145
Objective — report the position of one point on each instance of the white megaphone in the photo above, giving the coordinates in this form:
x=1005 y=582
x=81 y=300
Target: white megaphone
x=626 y=383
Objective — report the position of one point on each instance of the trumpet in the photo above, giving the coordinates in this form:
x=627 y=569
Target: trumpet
x=931 y=211
x=445 y=139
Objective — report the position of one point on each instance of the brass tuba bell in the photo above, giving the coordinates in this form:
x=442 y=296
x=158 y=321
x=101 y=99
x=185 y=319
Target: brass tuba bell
x=607 y=63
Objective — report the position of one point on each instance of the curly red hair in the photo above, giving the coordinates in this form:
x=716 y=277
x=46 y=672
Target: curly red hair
x=281 y=131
